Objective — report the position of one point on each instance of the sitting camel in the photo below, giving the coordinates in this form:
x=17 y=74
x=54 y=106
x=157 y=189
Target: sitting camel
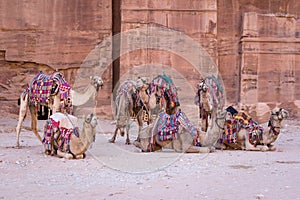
x=183 y=136
x=62 y=137
x=132 y=101
x=54 y=92
x=247 y=135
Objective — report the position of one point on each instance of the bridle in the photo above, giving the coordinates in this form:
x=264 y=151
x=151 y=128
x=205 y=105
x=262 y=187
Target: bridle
x=216 y=121
x=271 y=125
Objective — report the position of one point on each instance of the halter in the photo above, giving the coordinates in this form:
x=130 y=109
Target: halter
x=272 y=127
x=216 y=121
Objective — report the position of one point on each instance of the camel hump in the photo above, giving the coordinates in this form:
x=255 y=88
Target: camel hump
x=66 y=121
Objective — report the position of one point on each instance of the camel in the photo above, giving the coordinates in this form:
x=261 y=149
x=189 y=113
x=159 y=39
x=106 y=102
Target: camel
x=132 y=101
x=59 y=97
x=202 y=99
x=62 y=137
x=209 y=96
x=91 y=90
x=262 y=139
x=185 y=135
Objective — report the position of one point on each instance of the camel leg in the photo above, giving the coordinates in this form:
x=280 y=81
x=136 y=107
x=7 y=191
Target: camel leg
x=127 y=135
x=64 y=155
x=271 y=147
x=204 y=125
x=250 y=147
x=80 y=156
x=140 y=123
x=53 y=151
x=177 y=145
x=113 y=139
x=195 y=149
x=137 y=144
x=33 y=113
x=220 y=146
x=56 y=104
x=22 y=115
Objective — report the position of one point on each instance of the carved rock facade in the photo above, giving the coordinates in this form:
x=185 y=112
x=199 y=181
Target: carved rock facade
x=255 y=45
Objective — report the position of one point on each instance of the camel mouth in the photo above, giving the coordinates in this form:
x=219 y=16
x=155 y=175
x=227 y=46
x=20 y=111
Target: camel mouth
x=99 y=86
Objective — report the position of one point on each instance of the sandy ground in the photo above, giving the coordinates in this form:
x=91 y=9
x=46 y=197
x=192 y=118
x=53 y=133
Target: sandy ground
x=117 y=171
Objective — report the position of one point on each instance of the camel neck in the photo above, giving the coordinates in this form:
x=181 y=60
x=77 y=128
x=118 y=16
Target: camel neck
x=82 y=98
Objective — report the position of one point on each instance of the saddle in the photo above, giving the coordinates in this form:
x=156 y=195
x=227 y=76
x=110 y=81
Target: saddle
x=43 y=86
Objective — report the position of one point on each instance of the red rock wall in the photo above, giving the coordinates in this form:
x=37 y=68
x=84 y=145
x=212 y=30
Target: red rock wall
x=258 y=76
x=270 y=48
x=254 y=43
x=57 y=34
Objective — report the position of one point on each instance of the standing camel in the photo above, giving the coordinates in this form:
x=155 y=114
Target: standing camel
x=51 y=91
x=202 y=99
x=132 y=101
x=209 y=97
x=90 y=92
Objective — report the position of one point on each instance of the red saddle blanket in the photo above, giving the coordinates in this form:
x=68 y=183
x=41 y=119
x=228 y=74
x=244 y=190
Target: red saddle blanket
x=43 y=85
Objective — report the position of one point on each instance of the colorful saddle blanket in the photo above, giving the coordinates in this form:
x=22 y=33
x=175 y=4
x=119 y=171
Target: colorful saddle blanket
x=167 y=88
x=126 y=88
x=216 y=91
x=60 y=128
x=168 y=125
x=242 y=120
x=43 y=85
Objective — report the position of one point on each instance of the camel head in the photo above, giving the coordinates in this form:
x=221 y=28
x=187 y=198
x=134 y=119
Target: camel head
x=203 y=98
x=142 y=83
x=277 y=115
x=92 y=120
x=97 y=82
x=202 y=86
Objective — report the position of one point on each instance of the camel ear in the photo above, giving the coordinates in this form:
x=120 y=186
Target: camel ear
x=88 y=119
x=276 y=111
x=273 y=112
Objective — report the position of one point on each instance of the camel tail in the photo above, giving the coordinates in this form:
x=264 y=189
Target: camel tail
x=23 y=95
x=23 y=102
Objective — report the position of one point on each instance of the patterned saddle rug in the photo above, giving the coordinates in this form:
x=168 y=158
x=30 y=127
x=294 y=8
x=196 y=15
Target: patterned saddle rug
x=167 y=88
x=168 y=125
x=43 y=86
x=242 y=120
x=60 y=128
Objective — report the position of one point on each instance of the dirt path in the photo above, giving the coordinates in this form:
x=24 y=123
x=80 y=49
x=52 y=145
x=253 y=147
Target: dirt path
x=116 y=171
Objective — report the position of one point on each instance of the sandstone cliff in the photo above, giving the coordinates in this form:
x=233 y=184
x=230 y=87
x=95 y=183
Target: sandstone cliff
x=255 y=45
